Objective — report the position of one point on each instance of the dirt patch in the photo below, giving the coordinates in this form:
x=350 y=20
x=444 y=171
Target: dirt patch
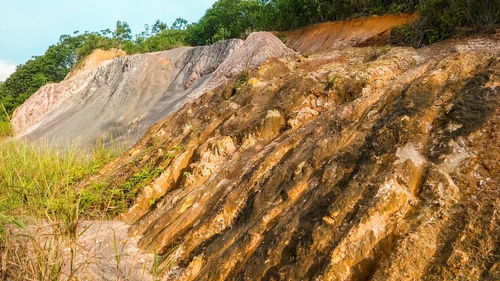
x=95 y=59
x=356 y=32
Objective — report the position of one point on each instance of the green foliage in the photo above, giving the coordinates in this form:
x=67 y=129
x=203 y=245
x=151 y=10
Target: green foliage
x=5 y=129
x=243 y=78
x=99 y=197
x=179 y=24
x=164 y=40
x=330 y=83
x=229 y=19
x=385 y=49
x=442 y=19
x=232 y=18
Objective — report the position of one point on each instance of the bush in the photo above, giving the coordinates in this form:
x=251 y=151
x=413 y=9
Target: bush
x=442 y=19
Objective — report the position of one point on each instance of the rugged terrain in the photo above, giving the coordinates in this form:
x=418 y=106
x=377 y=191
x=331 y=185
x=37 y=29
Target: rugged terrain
x=120 y=99
x=352 y=163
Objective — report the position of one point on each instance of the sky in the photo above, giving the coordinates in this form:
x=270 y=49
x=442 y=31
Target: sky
x=29 y=27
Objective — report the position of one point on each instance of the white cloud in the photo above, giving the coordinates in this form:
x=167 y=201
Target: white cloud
x=6 y=69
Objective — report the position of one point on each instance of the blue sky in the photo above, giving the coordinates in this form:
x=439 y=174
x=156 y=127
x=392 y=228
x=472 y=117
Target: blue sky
x=28 y=27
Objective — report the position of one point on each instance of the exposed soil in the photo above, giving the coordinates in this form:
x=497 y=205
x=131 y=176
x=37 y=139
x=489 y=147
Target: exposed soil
x=120 y=99
x=353 y=163
x=350 y=164
x=364 y=31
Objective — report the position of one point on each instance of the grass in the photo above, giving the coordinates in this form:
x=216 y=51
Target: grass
x=37 y=188
x=5 y=130
x=5 y=127
x=37 y=181
x=243 y=77
x=103 y=200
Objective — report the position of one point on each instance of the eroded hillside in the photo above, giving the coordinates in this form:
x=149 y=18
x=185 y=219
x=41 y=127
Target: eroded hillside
x=120 y=99
x=340 y=163
x=350 y=164
x=363 y=31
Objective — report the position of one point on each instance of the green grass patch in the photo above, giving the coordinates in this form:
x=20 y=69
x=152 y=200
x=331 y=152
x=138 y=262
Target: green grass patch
x=5 y=129
x=103 y=199
x=38 y=182
x=243 y=77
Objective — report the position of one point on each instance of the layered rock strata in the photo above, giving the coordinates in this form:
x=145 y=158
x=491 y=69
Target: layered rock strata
x=350 y=164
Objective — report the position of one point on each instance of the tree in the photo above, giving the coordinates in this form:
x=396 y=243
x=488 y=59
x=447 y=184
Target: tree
x=158 y=27
x=179 y=24
x=122 y=31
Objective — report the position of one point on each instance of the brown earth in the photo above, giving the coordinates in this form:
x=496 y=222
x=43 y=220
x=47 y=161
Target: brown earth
x=350 y=164
x=94 y=60
x=356 y=32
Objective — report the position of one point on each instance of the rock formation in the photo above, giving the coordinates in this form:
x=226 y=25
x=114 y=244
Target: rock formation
x=352 y=164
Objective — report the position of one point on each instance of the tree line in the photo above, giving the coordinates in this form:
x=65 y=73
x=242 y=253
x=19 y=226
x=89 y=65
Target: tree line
x=440 y=19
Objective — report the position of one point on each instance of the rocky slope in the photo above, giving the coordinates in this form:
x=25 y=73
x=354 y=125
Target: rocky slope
x=54 y=95
x=349 y=164
x=122 y=98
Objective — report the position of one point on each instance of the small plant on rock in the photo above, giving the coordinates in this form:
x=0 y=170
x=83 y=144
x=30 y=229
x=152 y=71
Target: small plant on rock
x=330 y=83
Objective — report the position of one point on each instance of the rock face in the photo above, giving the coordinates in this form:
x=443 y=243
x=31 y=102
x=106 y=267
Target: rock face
x=122 y=98
x=351 y=164
x=356 y=32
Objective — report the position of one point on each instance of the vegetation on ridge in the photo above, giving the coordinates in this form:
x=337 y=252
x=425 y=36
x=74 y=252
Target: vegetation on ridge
x=440 y=19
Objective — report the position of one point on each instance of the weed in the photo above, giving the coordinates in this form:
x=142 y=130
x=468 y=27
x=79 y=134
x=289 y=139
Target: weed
x=330 y=83
x=114 y=200
x=243 y=77
x=37 y=180
x=152 y=202
x=118 y=256
x=160 y=265
x=385 y=49
x=5 y=129
x=154 y=269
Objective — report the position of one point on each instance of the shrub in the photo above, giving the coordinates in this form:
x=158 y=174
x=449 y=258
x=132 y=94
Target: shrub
x=442 y=19
x=330 y=83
